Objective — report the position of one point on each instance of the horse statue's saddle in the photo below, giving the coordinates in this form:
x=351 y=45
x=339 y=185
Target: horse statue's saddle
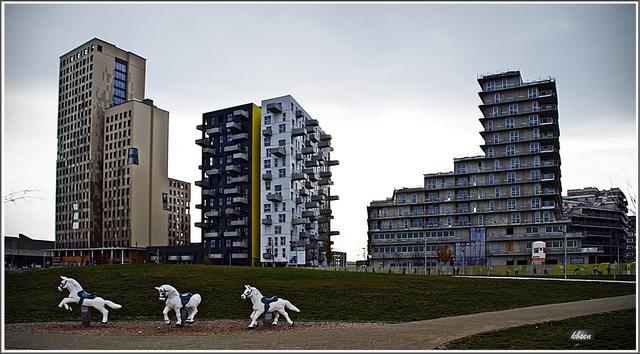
x=184 y=298
x=85 y=295
x=268 y=300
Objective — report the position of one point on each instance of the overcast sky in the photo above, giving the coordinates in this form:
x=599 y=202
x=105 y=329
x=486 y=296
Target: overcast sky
x=395 y=85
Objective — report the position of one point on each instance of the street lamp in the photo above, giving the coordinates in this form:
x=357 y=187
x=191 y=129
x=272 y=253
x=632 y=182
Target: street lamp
x=425 y=254
x=565 y=255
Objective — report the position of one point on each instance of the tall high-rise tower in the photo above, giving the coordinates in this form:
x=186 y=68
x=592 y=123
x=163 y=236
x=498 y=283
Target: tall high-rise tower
x=93 y=77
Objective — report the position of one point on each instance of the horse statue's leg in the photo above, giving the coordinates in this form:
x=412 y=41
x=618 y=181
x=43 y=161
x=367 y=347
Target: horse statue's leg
x=165 y=312
x=276 y=315
x=105 y=313
x=192 y=313
x=286 y=316
x=256 y=315
x=178 y=317
x=64 y=302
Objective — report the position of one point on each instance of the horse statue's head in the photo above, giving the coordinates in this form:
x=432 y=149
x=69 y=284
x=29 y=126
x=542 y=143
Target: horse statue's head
x=66 y=283
x=164 y=291
x=248 y=291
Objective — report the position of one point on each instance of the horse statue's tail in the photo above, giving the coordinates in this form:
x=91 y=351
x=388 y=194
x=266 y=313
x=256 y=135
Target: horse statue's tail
x=112 y=304
x=290 y=306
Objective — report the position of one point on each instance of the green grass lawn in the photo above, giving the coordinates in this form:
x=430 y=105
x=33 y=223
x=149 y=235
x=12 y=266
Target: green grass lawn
x=321 y=295
x=611 y=331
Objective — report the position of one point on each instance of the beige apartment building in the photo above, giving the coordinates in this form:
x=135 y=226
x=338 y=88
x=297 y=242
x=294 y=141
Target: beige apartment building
x=179 y=213
x=111 y=176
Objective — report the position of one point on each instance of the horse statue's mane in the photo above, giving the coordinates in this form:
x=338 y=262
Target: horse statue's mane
x=170 y=288
x=257 y=291
x=74 y=283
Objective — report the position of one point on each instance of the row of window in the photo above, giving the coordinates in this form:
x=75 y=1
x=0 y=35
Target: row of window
x=462 y=220
x=80 y=53
x=409 y=235
x=532 y=92
x=510 y=122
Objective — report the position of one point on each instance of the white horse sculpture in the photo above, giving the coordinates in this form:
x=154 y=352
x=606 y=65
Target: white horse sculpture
x=262 y=304
x=78 y=296
x=176 y=301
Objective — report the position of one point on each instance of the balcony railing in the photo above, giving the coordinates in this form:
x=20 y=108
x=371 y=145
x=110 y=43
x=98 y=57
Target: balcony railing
x=279 y=151
x=212 y=172
x=233 y=168
x=274 y=197
x=267 y=221
x=234 y=125
x=241 y=156
x=267 y=132
x=274 y=107
x=213 y=130
x=298 y=221
x=235 y=190
x=240 y=200
x=203 y=142
x=241 y=136
x=298 y=132
x=212 y=213
x=232 y=148
x=241 y=113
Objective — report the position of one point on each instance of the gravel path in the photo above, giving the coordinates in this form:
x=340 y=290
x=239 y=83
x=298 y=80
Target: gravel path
x=158 y=328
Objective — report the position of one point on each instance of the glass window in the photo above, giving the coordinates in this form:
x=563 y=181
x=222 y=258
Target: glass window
x=533 y=119
x=132 y=156
x=515 y=191
x=509 y=122
x=514 y=136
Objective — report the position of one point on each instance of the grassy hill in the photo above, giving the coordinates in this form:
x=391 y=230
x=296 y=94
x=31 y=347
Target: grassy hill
x=321 y=295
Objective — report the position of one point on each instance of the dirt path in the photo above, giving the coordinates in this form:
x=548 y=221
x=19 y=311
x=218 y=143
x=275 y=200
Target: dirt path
x=311 y=336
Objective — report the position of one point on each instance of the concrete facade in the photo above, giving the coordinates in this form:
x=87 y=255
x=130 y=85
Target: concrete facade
x=230 y=173
x=179 y=213
x=87 y=87
x=295 y=194
x=112 y=194
x=600 y=218
x=490 y=209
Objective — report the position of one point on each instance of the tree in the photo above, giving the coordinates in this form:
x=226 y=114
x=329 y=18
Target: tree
x=444 y=254
x=24 y=194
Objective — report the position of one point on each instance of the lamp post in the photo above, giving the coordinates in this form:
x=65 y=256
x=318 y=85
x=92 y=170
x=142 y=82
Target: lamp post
x=565 y=255
x=425 y=254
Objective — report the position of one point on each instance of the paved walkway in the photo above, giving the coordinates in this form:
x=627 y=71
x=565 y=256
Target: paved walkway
x=544 y=278
x=419 y=335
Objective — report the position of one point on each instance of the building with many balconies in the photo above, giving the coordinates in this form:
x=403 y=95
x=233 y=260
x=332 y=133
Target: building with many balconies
x=490 y=209
x=230 y=185
x=295 y=201
x=600 y=218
